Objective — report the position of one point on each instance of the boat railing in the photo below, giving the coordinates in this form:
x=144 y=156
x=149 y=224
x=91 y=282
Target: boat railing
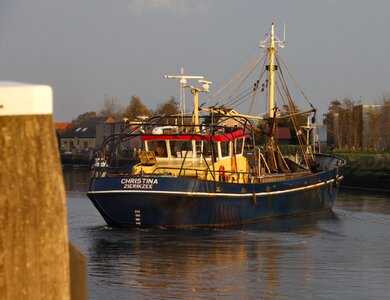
x=172 y=170
x=225 y=176
x=261 y=161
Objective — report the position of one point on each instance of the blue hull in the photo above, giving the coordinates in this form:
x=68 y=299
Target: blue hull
x=184 y=202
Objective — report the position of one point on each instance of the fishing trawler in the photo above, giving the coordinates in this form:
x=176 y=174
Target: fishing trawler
x=196 y=170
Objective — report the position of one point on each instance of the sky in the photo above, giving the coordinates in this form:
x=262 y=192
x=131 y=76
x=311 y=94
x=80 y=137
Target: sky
x=87 y=50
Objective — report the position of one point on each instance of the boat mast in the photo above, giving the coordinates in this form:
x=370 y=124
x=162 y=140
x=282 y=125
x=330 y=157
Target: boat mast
x=274 y=156
x=272 y=50
x=273 y=41
x=195 y=92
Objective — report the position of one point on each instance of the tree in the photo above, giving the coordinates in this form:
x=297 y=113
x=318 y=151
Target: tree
x=349 y=120
x=299 y=120
x=261 y=130
x=168 y=108
x=111 y=108
x=136 y=109
x=343 y=122
x=385 y=117
x=330 y=120
x=85 y=116
x=374 y=127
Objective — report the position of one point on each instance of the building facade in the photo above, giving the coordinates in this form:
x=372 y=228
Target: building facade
x=81 y=138
x=129 y=147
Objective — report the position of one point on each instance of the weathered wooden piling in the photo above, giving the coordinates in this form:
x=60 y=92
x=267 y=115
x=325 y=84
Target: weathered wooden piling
x=34 y=251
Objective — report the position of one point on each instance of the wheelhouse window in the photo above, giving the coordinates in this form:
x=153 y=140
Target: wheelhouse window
x=159 y=148
x=225 y=149
x=203 y=148
x=181 y=148
x=239 y=145
x=189 y=148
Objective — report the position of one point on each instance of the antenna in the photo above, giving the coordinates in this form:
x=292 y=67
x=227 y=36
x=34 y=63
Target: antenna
x=206 y=85
x=182 y=82
x=277 y=41
x=283 y=42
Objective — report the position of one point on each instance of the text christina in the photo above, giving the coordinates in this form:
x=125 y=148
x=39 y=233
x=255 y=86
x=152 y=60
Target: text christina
x=139 y=183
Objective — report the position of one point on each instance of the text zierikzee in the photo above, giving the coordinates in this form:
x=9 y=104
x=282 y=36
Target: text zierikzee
x=139 y=183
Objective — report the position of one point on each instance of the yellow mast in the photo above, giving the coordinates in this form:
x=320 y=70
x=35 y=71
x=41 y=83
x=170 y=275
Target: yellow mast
x=195 y=120
x=195 y=92
x=272 y=149
x=272 y=50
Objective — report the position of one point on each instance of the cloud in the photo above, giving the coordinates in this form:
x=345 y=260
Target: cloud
x=169 y=6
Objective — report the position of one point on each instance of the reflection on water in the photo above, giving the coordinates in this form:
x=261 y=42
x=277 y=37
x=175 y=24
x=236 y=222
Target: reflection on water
x=76 y=179
x=341 y=255
x=186 y=265
x=201 y=262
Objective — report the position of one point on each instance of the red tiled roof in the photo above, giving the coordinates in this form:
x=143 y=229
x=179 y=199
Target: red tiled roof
x=63 y=126
x=110 y=120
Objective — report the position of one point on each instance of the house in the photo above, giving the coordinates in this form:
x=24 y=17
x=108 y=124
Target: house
x=106 y=129
x=82 y=136
x=283 y=135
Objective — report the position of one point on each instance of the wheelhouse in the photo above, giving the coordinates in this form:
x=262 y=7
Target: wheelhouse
x=172 y=152
x=203 y=146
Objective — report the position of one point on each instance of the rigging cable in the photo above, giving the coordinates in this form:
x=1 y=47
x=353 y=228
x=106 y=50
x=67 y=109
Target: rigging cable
x=217 y=86
x=291 y=107
x=241 y=98
x=231 y=83
x=256 y=87
x=244 y=79
x=296 y=83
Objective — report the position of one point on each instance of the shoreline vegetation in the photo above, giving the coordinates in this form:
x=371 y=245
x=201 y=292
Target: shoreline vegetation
x=366 y=162
x=366 y=170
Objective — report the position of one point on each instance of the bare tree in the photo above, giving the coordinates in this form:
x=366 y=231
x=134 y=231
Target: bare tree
x=331 y=121
x=111 y=108
x=374 y=127
x=85 y=116
x=342 y=122
x=385 y=116
x=349 y=125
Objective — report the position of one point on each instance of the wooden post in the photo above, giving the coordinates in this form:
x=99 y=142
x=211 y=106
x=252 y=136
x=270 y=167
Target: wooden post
x=34 y=252
x=78 y=274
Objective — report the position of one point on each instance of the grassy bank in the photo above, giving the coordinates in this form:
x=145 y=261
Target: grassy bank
x=366 y=170
x=356 y=161
x=367 y=162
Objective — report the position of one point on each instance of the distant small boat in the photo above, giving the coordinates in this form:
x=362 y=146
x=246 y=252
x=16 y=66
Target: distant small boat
x=99 y=163
x=194 y=170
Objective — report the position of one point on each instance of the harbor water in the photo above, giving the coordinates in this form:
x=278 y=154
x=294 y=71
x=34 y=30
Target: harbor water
x=339 y=255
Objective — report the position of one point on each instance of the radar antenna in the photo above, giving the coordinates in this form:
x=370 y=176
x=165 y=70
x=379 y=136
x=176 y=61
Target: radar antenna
x=182 y=83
